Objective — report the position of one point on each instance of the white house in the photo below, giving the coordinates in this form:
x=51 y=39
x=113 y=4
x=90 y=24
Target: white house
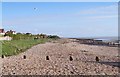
x=2 y=32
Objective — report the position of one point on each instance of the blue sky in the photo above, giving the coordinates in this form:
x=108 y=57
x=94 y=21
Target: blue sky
x=66 y=19
x=60 y=0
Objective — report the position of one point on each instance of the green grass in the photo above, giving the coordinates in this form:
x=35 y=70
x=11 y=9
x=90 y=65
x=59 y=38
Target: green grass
x=15 y=47
x=1 y=35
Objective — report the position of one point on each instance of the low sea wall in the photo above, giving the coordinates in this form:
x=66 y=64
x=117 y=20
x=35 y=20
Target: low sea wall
x=5 y=38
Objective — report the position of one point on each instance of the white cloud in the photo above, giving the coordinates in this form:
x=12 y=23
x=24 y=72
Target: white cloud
x=103 y=17
x=101 y=12
x=112 y=9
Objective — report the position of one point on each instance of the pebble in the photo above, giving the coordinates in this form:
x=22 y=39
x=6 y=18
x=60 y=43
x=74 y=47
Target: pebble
x=37 y=64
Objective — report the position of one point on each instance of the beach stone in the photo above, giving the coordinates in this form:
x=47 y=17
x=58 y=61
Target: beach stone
x=60 y=63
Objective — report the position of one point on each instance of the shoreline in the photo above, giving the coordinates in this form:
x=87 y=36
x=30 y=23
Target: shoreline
x=98 y=42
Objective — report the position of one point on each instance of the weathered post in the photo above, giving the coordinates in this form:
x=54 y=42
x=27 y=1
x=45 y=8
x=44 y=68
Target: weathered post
x=71 y=59
x=2 y=56
x=47 y=57
x=97 y=59
x=24 y=57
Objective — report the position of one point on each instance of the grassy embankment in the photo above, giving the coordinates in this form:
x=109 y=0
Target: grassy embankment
x=15 y=47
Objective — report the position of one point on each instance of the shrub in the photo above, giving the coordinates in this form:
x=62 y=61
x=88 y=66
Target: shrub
x=53 y=37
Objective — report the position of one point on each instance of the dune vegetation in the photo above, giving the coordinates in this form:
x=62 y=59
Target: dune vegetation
x=14 y=47
x=22 y=42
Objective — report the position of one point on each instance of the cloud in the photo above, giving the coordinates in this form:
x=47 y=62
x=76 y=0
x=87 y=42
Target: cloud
x=101 y=12
x=103 y=17
x=112 y=9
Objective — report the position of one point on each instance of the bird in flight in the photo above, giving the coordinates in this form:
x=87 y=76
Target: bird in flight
x=35 y=8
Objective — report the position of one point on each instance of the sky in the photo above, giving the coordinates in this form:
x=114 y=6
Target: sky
x=65 y=19
x=60 y=0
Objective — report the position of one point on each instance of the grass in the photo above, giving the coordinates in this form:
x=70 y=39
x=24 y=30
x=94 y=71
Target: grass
x=1 y=35
x=15 y=47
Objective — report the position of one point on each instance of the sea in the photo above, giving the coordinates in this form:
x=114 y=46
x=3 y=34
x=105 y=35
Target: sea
x=104 y=39
x=107 y=39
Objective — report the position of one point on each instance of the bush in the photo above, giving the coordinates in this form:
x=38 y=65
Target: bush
x=20 y=36
x=53 y=37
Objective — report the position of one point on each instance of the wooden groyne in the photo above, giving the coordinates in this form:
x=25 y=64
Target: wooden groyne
x=98 y=42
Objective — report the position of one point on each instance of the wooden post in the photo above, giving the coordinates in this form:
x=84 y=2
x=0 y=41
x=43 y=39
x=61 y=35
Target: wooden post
x=47 y=57
x=2 y=56
x=71 y=59
x=97 y=59
x=24 y=57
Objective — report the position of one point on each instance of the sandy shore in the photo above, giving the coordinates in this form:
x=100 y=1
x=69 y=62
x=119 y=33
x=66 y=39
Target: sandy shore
x=59 y=64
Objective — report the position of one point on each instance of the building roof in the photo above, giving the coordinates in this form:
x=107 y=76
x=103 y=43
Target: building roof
x=2 y=31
